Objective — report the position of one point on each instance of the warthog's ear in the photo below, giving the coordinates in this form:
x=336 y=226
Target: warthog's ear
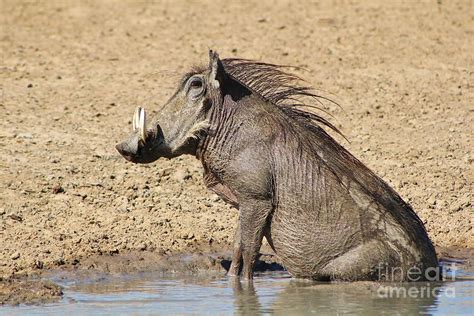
x=216 y=67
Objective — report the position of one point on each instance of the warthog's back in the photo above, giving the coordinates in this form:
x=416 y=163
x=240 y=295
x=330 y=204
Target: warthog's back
x=327 y=203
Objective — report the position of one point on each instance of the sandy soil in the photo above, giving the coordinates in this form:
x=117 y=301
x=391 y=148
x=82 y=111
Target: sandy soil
x=72 y=73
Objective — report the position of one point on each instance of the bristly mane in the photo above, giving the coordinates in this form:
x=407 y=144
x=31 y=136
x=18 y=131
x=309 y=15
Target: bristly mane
x=281 y=88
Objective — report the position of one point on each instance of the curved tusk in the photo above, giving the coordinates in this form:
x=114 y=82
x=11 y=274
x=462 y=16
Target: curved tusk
x=142 y=125
x=135 y=119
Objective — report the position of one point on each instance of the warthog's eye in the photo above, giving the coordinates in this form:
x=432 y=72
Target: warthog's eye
x=195 y=87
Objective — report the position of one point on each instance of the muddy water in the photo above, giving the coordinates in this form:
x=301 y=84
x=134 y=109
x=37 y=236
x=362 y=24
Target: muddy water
x=272 y=292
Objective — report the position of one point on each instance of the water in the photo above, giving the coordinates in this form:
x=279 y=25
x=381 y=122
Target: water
x=271 y=293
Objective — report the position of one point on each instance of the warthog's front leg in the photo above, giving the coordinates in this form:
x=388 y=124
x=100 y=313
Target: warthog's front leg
x=237 y=253
x=253 y=220
x=214 y=184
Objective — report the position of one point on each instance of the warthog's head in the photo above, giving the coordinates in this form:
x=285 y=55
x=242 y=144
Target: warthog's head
x=182 y=121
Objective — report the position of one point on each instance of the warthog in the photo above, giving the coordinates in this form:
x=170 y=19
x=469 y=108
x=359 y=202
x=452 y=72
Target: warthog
x=324 y=213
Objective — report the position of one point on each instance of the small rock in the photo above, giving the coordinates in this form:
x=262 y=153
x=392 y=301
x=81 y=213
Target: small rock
x=122 y=204
x=59 y=262
x=431 y=201
x=142 y=247
x=166 y=172
x=465 y=201
x=188 y=235
x=215 y=198
x=440 y=204
x=30 y=85
x=57 y=188
x=15 y=256
x=24 y=136
x=181 y=175
x=114 y=251
x=38 y=264
x=16 y=217
x=455 y=207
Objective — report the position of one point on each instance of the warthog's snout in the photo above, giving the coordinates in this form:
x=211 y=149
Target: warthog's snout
x=143 y=145
x=127 y=149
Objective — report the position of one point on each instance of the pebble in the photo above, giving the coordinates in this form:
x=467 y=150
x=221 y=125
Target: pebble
x=122 y=203
x=59 y=262
x=441 y=203
x=15 y=256
x=57 y=188
x=431 y=201
x=455 y=207
x=181 y=175
x=114 y=251
x=187 y=235
x=166 y=172
x=16 y=217
x=24 y=136
x=38 y=264
x=465 y=200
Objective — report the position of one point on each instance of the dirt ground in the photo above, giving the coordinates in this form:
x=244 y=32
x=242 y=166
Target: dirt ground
x=73 y=72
